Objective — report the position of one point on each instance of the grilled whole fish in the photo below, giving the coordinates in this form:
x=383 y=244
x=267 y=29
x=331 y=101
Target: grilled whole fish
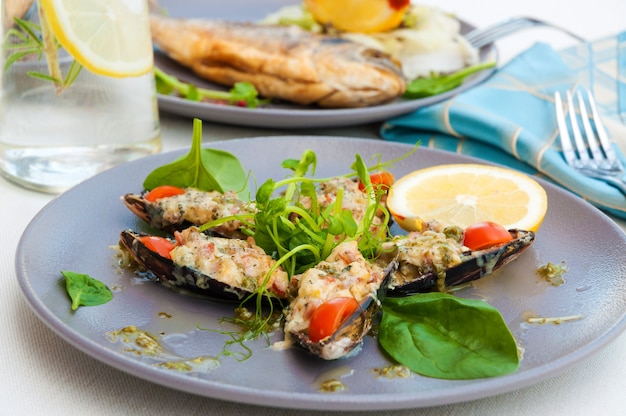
x=284 y=62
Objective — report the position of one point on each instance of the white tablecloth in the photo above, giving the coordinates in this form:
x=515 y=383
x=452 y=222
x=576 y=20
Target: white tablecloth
x=44 y=375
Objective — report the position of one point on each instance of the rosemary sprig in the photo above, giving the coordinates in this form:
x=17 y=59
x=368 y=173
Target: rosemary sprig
x=30 y=39
x=29 y=42
x=51 y=50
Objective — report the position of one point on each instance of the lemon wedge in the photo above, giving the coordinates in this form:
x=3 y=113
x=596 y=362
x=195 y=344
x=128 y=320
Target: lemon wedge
x=365 y=16
x=464 y=194
x=109 y=37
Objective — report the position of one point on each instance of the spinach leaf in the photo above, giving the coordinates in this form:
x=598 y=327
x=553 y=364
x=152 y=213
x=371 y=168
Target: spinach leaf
x=204 y=169
x=437 y=84
x=227 y=171
x=85 y=290
x=443 y=336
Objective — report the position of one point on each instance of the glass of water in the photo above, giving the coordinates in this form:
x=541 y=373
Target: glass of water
x=77 y=90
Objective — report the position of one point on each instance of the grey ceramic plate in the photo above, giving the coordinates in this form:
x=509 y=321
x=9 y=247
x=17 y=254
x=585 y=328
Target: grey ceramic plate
x=74 y=232
x=278 y=116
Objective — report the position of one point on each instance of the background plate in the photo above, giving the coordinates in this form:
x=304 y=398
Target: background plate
x=75 y=232
x=285 y=115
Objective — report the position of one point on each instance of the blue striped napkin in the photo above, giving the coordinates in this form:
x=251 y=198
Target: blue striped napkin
x=509 y=119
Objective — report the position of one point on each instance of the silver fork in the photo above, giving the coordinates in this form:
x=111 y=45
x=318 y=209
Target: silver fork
x=596 y=157
x=484 y=36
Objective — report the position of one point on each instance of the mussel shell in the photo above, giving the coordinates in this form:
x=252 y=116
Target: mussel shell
x=349 y=336
x=142 y=209
x=475 y=265
x=184 y=279
x=151 y=215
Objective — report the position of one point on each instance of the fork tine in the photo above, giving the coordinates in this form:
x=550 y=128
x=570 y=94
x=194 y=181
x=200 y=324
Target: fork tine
x=596 y=153
x=566 y=142
x=604 y=139
x=597 y=166
x=583 y=155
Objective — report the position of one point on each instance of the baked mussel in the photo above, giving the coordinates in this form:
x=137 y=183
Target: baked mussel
x=436 y=258
x=336 y=303
x=214 y=267
x=170 y=209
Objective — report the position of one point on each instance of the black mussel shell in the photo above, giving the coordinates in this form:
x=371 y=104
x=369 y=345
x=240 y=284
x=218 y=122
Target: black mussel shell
x=475 y=265
x=138 y=205
x=184 y=279
x=151 y=215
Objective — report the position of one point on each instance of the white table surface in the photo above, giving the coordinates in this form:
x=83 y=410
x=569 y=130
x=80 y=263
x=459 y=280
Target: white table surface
x=44 y=375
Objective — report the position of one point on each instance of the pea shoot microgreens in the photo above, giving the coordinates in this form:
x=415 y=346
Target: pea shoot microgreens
x=242 y=93
x=299 y=237
x=438 y=84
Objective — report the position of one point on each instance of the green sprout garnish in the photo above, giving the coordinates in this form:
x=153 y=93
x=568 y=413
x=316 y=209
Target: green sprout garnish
x=242 y=93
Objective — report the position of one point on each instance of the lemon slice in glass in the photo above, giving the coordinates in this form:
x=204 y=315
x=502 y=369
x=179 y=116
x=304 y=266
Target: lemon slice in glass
x=464 y=194
x=108 y=37
x=365 y=16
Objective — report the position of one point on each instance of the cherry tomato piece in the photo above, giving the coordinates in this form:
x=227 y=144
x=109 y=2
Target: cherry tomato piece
x=383 y=179
x=485 y=234
x=327 y=318
x=159 y=245
x=164 y=191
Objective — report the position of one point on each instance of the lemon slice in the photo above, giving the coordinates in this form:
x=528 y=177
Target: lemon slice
x=366 y=16
x=108 y=37
x=464 y=194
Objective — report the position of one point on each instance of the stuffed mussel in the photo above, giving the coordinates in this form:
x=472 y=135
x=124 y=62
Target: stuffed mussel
x=220 y=268
x=173 y=209
x=336 y=302
x=436 y=258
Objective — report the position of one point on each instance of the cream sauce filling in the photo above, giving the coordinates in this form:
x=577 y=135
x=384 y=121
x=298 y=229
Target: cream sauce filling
x=430 y=250
x=199 y=207
x=238 y=263
x=345 y=273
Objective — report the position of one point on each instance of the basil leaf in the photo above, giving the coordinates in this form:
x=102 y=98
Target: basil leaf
x=85 y=290
x=443 y=336
x=204 y=169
